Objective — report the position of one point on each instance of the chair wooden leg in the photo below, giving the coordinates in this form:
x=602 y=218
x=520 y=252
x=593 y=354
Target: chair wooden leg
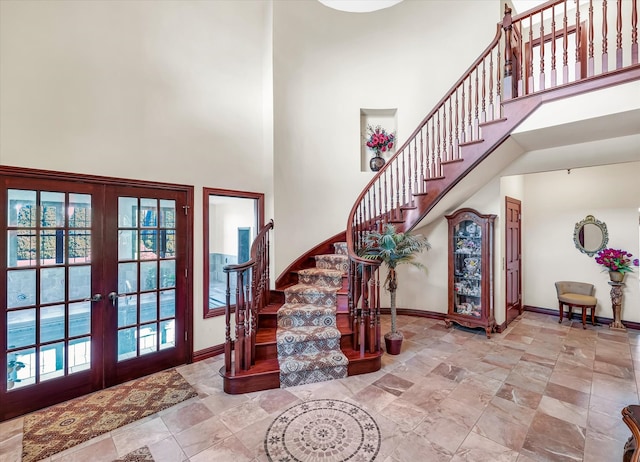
x=584 y=317
x=561 y=312
x=593 y=316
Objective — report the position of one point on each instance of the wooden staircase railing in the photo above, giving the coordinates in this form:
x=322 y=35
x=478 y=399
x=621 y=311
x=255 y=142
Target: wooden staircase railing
x=550 y=47
x=252 y=290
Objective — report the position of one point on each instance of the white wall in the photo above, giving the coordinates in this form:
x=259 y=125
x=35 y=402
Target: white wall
x=168 y=91
x=328 y=65
x=554 y=202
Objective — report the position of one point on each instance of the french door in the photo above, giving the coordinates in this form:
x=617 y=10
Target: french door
x=95 y=284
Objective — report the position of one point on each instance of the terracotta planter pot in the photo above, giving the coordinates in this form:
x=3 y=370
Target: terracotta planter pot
x=393 y=343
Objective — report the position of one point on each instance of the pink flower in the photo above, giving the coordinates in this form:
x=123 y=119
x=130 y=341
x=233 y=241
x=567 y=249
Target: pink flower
x=615 y=260
x=378 y=140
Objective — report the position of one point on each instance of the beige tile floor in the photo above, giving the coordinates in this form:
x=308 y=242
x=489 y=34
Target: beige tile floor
x=539 y=391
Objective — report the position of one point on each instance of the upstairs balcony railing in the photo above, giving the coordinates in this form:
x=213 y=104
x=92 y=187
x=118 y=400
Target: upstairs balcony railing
x=251 y=284
x=559 y=44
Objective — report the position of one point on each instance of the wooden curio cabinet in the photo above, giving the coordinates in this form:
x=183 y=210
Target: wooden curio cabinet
x=471 y=270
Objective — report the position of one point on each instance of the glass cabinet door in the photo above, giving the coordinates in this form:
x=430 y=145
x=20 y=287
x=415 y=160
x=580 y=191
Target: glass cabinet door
x=467 y=278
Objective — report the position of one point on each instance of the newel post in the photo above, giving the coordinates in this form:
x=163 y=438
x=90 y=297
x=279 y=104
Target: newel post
x=509 y=81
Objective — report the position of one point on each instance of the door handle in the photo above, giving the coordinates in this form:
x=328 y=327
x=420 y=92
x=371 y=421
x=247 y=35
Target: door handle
x=113 y=296
x=94 y=298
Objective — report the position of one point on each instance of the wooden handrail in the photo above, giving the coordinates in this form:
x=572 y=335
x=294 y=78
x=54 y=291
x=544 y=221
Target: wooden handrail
x=544 y=48
x=252 y=286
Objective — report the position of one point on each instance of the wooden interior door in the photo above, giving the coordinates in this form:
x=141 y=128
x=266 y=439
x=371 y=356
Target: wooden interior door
x=512 y=259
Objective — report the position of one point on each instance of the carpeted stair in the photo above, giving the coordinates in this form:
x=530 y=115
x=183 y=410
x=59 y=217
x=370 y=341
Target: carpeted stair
x=308 y=340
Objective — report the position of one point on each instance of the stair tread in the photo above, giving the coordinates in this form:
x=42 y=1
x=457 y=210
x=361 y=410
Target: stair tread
x=271 y=365
x=304 y=307
x=308 y=333
x=321 y=360
x=263 y=366
x=266 y=335
x=297 y=288
x=326 y=271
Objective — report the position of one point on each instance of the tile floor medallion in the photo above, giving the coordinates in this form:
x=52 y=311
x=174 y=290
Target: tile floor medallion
x=323 y=430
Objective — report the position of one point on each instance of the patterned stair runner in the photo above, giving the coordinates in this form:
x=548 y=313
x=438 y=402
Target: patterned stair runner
x=307 y=338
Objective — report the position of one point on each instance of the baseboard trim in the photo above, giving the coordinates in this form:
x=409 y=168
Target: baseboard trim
x=501 y=327
x=599 y=319
x=217 y=350
x=416 y=313
x=207 y=353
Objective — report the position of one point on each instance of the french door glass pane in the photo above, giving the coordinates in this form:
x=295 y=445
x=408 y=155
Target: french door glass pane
x=127 y=343
x=127 y=212
x=167 y=304
x=51 y=323
x=79 y=211
x=148 y=307
x=79 y=319
x=127 y=244
x=21 y=328
x=21 y=288
x=79 y=354
x=51 y=361
x=52 y=206
x=79 y=282
x=167 y=334
x=148 y=275
x=21 y=248
x=146 y=264
x=127 y=310
x=52 y=285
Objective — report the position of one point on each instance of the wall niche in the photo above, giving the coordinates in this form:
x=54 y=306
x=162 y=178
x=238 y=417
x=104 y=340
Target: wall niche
x=387 y=119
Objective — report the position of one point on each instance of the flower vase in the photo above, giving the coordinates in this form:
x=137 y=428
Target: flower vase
x=616 y=276
x=376 y=163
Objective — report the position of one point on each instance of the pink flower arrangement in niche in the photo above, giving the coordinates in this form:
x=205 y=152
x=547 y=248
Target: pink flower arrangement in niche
x=379 y=140
x=616 y=260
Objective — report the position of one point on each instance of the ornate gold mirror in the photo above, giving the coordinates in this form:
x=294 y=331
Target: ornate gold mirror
x=590 y=235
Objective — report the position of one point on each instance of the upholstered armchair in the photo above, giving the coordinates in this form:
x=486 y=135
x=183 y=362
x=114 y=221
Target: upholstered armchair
x=578 y=295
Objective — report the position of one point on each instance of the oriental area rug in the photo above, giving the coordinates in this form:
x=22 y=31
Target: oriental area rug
x=68 y=424
x=323 y=430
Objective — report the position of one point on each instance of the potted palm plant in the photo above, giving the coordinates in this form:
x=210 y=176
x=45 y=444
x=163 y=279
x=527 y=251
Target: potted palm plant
x=393 y=249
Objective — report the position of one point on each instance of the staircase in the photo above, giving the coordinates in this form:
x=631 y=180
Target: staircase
x=498 y=91
x=303 y=333
x=307 y=335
